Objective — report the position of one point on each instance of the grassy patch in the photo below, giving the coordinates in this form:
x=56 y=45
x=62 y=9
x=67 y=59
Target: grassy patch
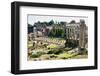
x=30 y=45
x=67 y=49
x=65 y=55
x=52 y=46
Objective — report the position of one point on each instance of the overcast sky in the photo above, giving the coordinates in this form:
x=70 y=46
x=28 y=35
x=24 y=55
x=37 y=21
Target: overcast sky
x=35 y=18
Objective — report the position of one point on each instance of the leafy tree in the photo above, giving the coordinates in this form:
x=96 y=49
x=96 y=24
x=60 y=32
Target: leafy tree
x=51 y=22
x=63 y=23
x=30 y=28
x=57 y=32
x=73 y=21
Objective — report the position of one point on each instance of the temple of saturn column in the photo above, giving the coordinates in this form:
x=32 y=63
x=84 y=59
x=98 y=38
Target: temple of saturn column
x=77 y=31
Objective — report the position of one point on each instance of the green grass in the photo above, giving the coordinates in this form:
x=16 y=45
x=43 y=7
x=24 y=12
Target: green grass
x=67 y=49
x=30 y=45
x=65 y=55
x=52 y=46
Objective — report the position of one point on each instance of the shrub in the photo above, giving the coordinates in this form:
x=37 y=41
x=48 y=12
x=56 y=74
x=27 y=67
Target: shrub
x=40 y=53
x=54 y=51
x=83 y=51
x=45 y=45
x=53 y=56
x=71 y=43
x=37 y=54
